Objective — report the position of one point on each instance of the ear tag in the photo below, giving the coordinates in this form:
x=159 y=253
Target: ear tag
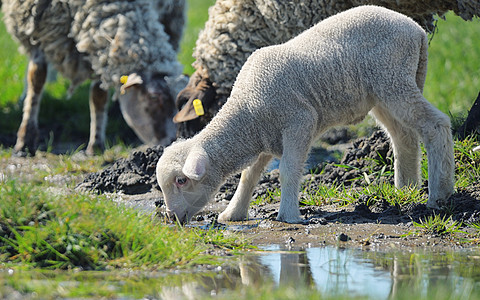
x=123 y=80
x=197 y=105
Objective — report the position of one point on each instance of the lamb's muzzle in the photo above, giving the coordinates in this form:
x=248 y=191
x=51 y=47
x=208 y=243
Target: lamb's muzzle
x=365 y=60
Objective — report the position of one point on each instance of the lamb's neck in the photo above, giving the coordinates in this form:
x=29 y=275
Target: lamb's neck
x=232 y=145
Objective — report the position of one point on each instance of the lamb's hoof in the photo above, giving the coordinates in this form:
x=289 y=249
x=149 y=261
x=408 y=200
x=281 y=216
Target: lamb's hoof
x=432 y=205
x=19 y=153
x=23 y=153
x=229 y=217
x=439 y=203
x=24 y=150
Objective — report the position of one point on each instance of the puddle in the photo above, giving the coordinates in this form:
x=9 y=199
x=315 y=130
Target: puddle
x=329 y=271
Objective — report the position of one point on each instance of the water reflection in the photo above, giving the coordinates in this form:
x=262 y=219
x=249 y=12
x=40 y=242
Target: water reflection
x=333 y=271
x=338 y=272
x=377 y=275
x=329 y=271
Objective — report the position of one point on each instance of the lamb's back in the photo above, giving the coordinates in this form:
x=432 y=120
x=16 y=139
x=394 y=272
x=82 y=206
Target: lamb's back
x=352 y=56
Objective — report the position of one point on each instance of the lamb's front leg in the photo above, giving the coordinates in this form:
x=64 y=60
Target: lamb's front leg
x=291 y=168
x=98 y=117
x=237 y=209
x=28 y=131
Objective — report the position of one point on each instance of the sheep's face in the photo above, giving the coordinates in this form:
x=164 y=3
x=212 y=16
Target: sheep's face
x=184 y=181
x=189 y=123
x=148 y=107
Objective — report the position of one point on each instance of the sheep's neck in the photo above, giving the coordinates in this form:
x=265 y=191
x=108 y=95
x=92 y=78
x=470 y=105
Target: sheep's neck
x=231 y=142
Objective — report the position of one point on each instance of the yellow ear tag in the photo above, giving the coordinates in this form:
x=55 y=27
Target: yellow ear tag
x=197 y=105
x=123 y=79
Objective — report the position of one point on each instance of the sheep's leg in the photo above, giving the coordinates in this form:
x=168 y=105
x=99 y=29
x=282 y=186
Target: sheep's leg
x=237 y=209
x=27 y=134
x=295 y=151
x=406 y=148
x=433 y=127
x=98 y=117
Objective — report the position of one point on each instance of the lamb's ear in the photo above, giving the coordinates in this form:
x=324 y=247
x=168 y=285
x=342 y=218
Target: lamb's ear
x=196 y=164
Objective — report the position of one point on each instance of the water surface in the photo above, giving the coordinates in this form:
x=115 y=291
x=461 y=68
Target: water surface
x=330 y=272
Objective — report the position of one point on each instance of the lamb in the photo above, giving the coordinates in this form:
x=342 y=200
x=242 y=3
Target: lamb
x=99 y=40
x=237 y=28
x=366 y=59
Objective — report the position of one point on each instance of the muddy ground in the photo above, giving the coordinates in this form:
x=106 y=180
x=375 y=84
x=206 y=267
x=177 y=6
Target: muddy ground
x=379 y=226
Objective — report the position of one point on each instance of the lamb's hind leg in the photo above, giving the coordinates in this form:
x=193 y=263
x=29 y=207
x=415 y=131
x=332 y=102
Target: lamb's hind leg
x=237 y=209
x=98 y=117
x=406 y=148
x=27 y=134
x=433 y=127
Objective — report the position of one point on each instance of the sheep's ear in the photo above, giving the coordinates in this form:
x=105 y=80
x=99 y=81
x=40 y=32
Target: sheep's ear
x=203 y=90
x=129 y=81
x=187 y=113
x=196 y=164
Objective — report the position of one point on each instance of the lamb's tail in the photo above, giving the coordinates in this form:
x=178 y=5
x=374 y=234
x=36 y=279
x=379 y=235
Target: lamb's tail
x=422 y=63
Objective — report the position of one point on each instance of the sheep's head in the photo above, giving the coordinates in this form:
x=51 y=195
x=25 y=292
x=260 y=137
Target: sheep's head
x=185 y=180
x=189 y=122
x=148 y=107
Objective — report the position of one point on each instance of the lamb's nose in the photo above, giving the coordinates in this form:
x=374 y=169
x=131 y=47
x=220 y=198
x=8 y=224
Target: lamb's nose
x=174 y=217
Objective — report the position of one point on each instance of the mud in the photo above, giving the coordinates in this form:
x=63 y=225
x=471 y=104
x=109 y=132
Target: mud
x=361 y=224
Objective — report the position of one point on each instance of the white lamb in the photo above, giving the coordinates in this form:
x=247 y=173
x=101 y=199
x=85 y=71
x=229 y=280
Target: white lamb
x=366 y=59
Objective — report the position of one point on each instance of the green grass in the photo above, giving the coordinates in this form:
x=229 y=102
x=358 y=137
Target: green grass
x=467 y=162
x=43 y=229
x=438 y=224
x=13 y=68
x=196 y=17
x=453 y=77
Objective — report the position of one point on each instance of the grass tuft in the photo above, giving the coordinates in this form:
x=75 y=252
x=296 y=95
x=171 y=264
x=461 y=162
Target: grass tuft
x=41 y=229
x=438 y=225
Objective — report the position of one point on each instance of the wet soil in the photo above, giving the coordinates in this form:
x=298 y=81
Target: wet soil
x=371 y=222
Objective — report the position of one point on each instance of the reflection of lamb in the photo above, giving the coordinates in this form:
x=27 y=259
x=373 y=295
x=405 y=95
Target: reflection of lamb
x=102 y=41
x=365 y=59
x=237 y=28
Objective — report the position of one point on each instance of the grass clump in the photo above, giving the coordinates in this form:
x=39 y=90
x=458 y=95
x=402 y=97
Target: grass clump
x=467 y=162
x=438 y=225
x=41 y=229
x=369 y=194
x=270 y=196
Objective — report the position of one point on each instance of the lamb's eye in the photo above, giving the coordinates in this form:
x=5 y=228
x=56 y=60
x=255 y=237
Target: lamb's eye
x=180 y=180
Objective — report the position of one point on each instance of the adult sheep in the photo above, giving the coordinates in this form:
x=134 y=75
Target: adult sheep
x=102 y=40
x=237 y=28
x=366 y=59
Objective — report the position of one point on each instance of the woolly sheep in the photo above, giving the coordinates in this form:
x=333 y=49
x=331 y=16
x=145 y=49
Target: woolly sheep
x=99 y=40
x=237 y=28
x=367 y=59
